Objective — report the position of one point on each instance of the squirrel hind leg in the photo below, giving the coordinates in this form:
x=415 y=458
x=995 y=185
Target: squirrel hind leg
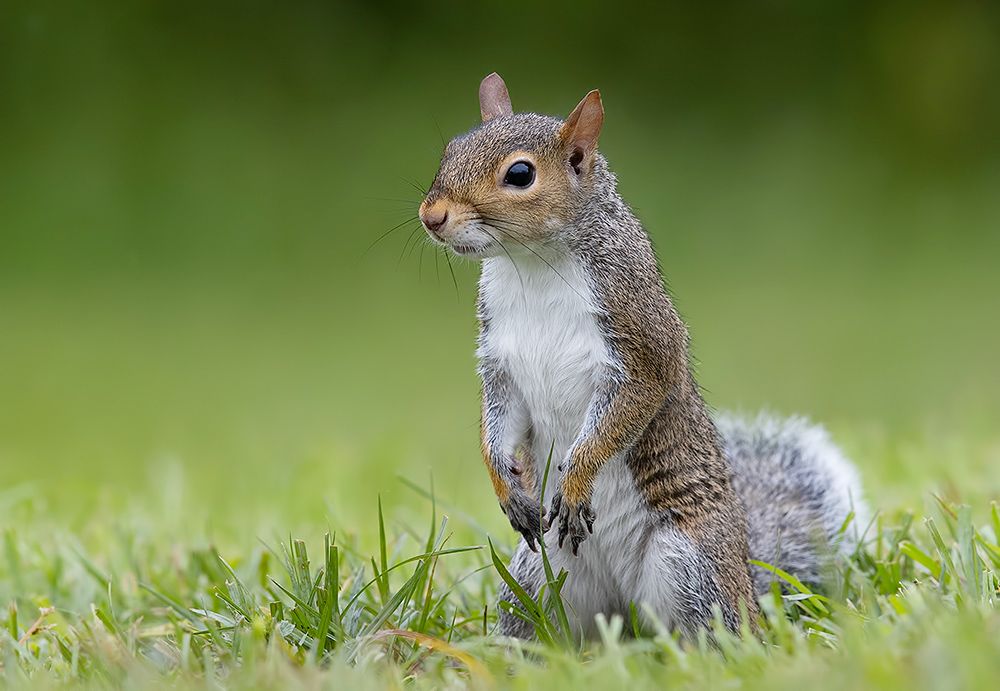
x=798 y=489
x=679 y=584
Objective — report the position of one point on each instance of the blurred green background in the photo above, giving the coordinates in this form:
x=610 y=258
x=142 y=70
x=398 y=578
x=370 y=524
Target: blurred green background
x=189 y=318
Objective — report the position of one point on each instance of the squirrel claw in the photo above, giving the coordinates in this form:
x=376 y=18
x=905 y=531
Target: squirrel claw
x=524 y=516
x=576 y=521
x=589 y=517
x=530 y=539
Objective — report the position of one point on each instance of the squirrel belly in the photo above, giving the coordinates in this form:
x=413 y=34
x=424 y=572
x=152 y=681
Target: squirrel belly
x=538 y=324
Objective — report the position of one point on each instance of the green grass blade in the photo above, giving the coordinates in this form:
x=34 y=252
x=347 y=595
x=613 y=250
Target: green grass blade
x=529 y=609
x=968 y=555
x=12 y=620
x=995 y=514
x=916 y=554
x=383 y=555
x=814 y=599
x=555 y=595
x=948 y=568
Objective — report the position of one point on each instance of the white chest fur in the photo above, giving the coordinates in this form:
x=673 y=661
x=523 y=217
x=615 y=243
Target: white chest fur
x=543 y=331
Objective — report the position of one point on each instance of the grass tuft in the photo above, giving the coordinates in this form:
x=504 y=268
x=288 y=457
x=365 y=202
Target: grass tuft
x=914 y=605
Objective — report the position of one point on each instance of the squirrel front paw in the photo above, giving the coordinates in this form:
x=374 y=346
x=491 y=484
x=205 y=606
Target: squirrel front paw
x=526 y=516
x=575 y=521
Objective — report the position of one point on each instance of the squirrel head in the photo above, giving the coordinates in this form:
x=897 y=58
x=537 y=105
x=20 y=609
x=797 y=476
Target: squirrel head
x=516 y=179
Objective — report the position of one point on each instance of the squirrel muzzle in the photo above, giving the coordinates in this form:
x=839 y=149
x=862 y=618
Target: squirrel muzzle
x=434 y=216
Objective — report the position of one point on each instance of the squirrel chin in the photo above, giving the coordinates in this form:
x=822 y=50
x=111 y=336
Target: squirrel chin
x=472 y=251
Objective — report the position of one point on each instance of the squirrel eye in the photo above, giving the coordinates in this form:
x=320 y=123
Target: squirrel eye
x=520 y=174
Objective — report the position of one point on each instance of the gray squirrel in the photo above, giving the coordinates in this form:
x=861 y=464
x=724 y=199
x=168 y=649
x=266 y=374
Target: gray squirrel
x=584 y=359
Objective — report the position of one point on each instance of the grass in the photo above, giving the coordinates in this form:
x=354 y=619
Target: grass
x=915 y=607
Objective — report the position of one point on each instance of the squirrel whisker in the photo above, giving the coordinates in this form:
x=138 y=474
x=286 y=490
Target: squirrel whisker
x=416 y=186
x=451 y=269
x=412 y=219
x=407 y=244
x=485 y=228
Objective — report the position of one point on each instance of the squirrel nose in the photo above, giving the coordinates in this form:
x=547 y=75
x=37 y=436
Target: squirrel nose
x=434 y=218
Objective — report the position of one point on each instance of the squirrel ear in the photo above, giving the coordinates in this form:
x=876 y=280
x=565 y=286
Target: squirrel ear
x=582 y=128
x=493 y=97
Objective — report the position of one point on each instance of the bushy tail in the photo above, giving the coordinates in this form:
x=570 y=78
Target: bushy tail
x=798 y=490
